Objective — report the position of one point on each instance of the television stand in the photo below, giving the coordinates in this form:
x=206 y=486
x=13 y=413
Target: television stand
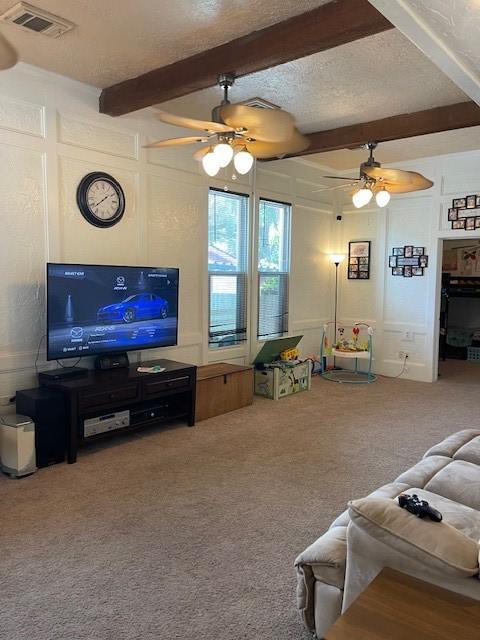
x=147 y=398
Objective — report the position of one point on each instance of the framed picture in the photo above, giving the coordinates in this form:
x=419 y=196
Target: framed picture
x=458 y=224
x=417 y=271
x=392 y=261
x=408 y=251
x=471 y=202
x=398 y=251
x=397 y=271
x=459 y=203
x=423 y=262
x=359 y=249
x=452 y=214
x=359 y=260
x=477 y=222
x=470 y=223
x=418 y=251
x=477 y=201
x=462 y=213
x=402 y=261
x=407 y=272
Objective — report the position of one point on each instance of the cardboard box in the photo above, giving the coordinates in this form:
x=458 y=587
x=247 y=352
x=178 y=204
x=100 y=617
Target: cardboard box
x=278 y=382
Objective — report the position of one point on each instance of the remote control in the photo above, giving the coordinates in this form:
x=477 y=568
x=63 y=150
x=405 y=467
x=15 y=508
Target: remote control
x=419 y=508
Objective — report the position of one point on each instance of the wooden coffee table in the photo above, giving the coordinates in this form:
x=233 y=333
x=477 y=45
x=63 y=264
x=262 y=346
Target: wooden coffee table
x=398 y=607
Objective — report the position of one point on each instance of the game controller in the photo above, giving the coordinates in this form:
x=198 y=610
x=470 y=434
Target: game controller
x=419 y=508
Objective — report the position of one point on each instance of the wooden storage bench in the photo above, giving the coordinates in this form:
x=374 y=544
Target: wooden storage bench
x=221 y=388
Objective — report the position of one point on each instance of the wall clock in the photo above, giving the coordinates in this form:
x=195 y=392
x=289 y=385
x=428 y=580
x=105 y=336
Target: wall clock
x=100 y=199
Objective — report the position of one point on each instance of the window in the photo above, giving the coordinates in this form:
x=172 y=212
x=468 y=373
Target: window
x=273 y=268
x=227 y=268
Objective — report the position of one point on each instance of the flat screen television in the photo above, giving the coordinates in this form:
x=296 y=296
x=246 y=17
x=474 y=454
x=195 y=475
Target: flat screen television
x=99 y=309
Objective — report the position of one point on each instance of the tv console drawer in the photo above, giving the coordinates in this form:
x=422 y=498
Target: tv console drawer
x=96 y=398
x=159 y=386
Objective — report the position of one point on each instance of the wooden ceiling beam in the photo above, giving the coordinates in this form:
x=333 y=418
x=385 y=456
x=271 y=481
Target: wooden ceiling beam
x=329 y=25
x=406 y=125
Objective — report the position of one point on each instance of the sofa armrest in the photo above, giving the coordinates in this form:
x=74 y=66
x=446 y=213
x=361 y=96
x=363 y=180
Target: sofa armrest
x=324 y=560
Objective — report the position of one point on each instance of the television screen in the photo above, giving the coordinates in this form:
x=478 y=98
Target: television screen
x=94 y=309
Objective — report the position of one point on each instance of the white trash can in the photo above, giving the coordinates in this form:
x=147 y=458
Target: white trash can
x=17 y=445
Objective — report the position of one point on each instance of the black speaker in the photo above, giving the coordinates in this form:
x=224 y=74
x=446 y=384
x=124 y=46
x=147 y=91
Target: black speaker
x=112 y=361
x=47 y=408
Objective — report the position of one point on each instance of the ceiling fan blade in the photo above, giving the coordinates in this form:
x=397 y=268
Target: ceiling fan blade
x=339 y=186
x=191 y=123
x=342 y=178
x=199 y=153
x=175 y=142
x=8 y=55
x=266 y=125
x=260 y=149
x=407 y=181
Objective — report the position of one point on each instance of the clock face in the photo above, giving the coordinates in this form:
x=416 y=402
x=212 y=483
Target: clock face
x=100 y=199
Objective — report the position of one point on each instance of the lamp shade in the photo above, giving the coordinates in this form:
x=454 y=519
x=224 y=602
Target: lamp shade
x=223 y=153
x=210 y=164
x=337 y=258
x=243 y=161
x=382 y=198
x=362 y=197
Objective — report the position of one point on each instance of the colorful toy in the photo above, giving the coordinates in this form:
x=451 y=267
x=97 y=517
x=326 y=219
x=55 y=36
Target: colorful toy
x=348 y=348
x=289 y=354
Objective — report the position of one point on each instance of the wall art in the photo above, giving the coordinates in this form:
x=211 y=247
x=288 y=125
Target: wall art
x=465 y=213
x=359 y=260
x=408 y=261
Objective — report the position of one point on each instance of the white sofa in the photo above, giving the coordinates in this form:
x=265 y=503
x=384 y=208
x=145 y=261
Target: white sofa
x=375 y=532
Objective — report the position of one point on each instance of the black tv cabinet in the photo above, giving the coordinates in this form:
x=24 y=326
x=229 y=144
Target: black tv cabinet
x=103 y=392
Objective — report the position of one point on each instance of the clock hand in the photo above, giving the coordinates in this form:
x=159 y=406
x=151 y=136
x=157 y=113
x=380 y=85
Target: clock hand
x=100 y=201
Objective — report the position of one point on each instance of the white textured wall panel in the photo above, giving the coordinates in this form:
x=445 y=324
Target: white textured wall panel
x=88 y=135
x=82 y=242
x=22 y=117
x=22 y=249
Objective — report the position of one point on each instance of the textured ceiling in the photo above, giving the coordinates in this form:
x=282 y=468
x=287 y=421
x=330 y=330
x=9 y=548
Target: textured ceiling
x=400 y=150
x=120 y=39
x=457 y=24
x=360 y=81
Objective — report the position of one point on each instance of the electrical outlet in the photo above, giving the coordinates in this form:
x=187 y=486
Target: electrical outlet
x=403 y=355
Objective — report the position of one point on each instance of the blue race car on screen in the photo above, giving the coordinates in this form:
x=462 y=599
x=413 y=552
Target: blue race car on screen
x=141 y=306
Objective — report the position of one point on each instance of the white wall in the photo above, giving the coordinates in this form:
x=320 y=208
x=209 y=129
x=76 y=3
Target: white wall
x=51 y=135
x=396 y=305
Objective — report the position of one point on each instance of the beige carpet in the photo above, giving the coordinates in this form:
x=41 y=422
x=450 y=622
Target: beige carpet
x=191 y=533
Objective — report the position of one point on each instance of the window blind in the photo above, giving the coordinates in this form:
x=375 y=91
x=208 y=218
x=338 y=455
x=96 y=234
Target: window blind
x=227 y=267
x=273 y=268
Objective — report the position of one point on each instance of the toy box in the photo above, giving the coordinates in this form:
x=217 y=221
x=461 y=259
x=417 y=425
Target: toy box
x=279 y=381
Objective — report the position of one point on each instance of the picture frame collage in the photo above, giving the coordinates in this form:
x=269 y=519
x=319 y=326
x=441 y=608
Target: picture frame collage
x=408 y=261
x=465 y=213
x=359 y=260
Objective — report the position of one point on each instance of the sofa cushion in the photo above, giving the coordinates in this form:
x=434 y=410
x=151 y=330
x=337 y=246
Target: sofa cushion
x=452 y=444
x=470 y=452
x=436 y=545
x=423 y=471
x=463 y=518
x=458 y=481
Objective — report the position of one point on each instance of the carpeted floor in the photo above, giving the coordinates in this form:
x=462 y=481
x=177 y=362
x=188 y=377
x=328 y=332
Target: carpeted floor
x=191 y=533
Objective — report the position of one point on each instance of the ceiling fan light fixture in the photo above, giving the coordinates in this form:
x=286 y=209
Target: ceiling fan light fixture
x=210 y=164
x=382 y=197
x=223 y=153
x=243 y=161
x=362 y=197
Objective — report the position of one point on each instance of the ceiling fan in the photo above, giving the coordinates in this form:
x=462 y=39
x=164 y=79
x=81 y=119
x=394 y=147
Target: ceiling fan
x=375 y=180
x=236 y=131
x=8 y=55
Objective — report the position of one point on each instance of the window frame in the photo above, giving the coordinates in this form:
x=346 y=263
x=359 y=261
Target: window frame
x=241 y=276
x=285 y=274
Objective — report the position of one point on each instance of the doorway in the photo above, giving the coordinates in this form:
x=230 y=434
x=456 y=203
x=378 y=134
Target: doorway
x=459 y=312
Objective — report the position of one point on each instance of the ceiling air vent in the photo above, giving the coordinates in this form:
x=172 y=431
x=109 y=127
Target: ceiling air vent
x=29 y=17
x=260 y=103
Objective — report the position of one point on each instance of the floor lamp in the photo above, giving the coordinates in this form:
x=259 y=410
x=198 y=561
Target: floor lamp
x=336 y=258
